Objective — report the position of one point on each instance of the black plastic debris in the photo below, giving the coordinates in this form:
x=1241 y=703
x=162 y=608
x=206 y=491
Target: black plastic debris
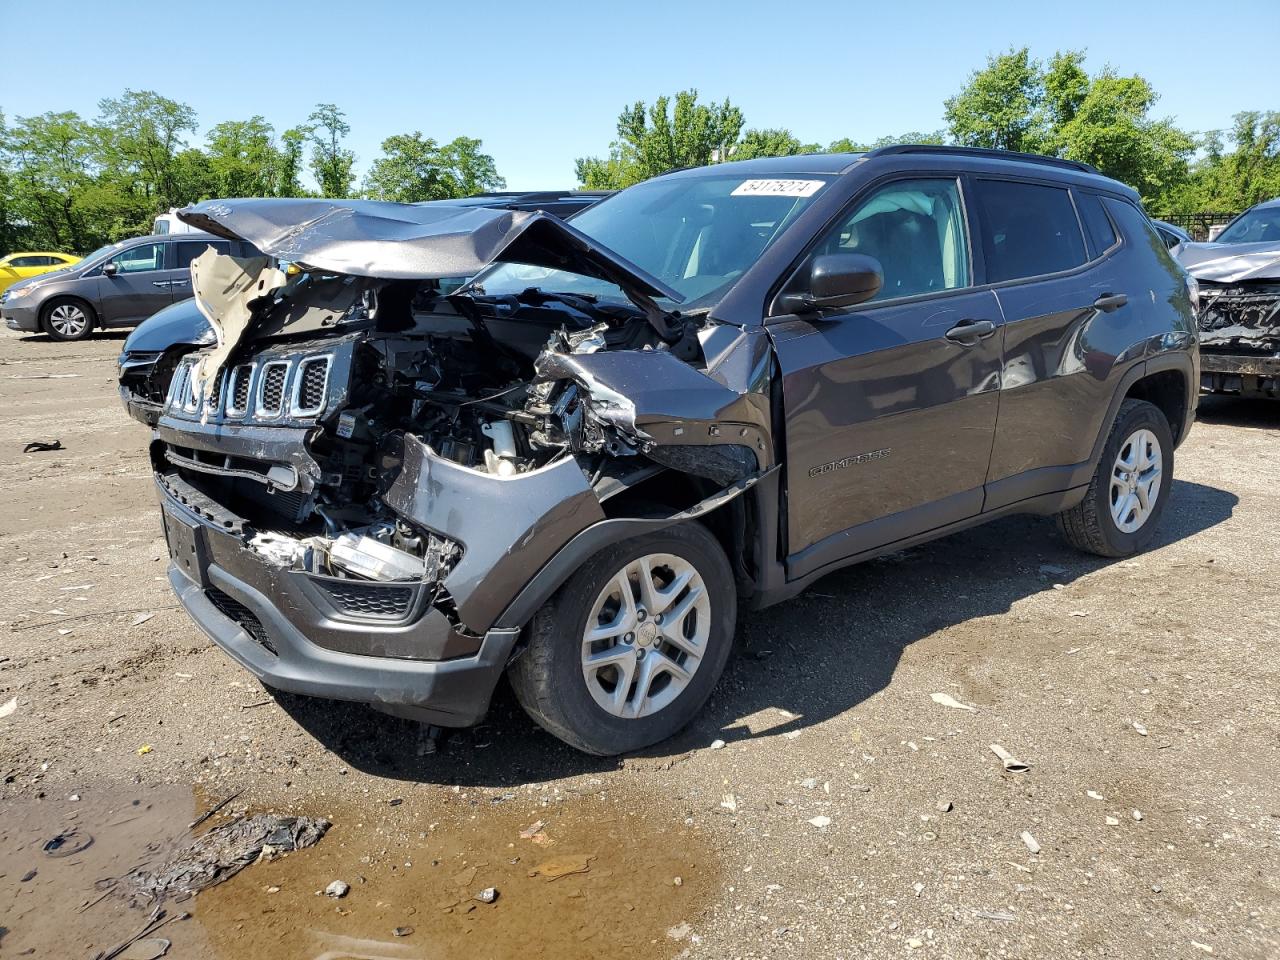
x=67 y=843
x=42 y=446
x=220 y=854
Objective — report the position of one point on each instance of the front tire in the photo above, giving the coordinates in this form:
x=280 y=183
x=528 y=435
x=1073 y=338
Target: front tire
x=629 y=649
x=67 y=319
x=1119 y=513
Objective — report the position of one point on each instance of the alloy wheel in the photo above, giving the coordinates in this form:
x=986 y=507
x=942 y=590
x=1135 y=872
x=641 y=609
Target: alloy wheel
x=1135 y=480
x=646 y=635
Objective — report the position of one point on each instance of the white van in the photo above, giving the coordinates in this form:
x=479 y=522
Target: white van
x=169 y=223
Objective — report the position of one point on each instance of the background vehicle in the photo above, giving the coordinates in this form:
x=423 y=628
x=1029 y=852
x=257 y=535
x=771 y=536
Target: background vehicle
x=117 y=286
x=167 y=223
x=1239 y=303
x=23 y=266
x=150 y=353
x=1170 y=234
x=710 y=389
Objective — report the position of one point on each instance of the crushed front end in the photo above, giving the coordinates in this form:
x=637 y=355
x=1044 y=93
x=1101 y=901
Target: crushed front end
x=361 y=477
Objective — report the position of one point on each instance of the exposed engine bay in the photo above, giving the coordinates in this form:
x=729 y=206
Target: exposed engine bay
x=370 y=430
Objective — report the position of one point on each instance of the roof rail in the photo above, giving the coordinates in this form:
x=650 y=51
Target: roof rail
x=898 y=148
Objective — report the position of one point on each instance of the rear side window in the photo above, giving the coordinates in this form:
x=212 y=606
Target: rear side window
x=1097 y=227
x=188 y=250
x=1133 y=223
x=1027 y=229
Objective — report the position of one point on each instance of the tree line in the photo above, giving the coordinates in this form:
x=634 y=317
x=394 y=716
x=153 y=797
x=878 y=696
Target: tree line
x=68 y=183
x=1014 y=102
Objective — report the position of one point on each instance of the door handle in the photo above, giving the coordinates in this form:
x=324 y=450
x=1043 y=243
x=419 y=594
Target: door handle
x=969 y=332
x=1110 y=301
x=161 y=283
x=178 y=283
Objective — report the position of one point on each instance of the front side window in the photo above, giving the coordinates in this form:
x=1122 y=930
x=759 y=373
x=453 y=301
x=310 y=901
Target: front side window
x=915 y=229
x=146 y=256
x=1028 y=229
x=696 y=234
x=1260 y=225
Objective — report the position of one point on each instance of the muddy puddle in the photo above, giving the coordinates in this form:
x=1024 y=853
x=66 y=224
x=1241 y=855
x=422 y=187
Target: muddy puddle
x=439 y=875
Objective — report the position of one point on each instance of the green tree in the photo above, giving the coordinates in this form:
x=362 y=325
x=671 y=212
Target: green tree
x=1232 y=179
x=997 y=108
x=243 y=158
x=769 y=143
x=52 y=161
x=142 y=134
x=665 y=136
x=331 y=163
x=293 y=144
x=846 y=145
x=414 y=168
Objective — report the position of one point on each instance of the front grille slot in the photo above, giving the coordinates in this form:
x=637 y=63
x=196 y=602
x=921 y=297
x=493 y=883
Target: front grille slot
x=271 y=388
x=213 y=402
x=310 y=385
x=236 y=611
x=240 y=381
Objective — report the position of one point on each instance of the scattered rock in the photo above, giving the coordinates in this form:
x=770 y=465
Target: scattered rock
x=487 y=895
x=1094 y=795
x=402 y=932
x=337 y=889
x=9 y=707
x=809 y=783
x=1142 y=731
x=1113 y=822
x=945 y=806
x=729 y=802
x=529 y=832
x=1137 y=815
x=1030 y=841
x=1078 y=613
x=717 y=744
x=677 y=881
x=821 y=822
x=947 y=700
x=141 y=618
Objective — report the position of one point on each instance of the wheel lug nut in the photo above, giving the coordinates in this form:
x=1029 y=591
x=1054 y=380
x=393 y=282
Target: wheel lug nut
x=629 y=638
x=640 y=653
x=657 y=618
x=640 y=614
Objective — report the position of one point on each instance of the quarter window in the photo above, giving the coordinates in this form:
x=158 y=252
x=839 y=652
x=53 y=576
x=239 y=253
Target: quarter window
x=1097 y=227
x=29 y=262
x=145 y=256
x=1028 y=229
x=915 y=229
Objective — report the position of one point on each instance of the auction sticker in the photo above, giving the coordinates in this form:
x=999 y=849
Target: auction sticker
x=777 y=188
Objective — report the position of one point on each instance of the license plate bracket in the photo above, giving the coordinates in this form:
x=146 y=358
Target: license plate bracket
x=184 y=546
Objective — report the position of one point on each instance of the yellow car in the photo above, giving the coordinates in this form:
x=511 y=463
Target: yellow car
x=19 y=266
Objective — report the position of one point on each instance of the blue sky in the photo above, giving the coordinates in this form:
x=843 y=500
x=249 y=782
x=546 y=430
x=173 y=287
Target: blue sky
x=542 y=83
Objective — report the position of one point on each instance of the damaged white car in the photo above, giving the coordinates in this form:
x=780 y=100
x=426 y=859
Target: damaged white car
x=1239 y=307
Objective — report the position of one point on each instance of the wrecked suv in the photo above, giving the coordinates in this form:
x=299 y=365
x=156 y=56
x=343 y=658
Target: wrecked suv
x=1239 y=303
x=707 y=391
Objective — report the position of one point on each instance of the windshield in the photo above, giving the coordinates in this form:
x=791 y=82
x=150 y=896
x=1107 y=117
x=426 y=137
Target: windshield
x=1260 y=225
x=696 y=234
x=100 y=252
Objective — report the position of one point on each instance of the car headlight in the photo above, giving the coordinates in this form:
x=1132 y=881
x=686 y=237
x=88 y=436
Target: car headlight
x=15 y=294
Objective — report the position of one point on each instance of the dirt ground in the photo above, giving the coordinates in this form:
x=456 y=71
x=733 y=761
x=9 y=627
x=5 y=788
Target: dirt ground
x=847 y=815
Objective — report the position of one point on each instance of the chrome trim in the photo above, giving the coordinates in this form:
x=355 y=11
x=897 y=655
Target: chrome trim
x=232 y=381
x=299 y=378
x=261 y=411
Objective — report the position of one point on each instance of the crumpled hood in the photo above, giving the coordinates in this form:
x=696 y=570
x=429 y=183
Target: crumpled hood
x=1231 y=262
x=402 y=241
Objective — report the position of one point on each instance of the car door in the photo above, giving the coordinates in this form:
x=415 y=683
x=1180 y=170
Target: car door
x=138 y=286
x=1054 y=278
x=890 y=406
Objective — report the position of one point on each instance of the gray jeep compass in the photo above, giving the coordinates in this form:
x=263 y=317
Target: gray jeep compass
x=705 y=393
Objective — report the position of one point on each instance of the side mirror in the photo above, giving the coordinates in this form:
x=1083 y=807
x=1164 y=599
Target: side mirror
x=832 y=280
x=110 y=269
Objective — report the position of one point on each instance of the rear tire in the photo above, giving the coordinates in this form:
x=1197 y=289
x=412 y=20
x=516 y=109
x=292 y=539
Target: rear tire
x=608 y=673
x=67 y=319
x=1119 y=513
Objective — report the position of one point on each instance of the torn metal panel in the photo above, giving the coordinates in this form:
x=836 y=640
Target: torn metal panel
x=1231 y=262
x=226 y=291
x=403 y=241
x=1240 y=315
x=509 y=526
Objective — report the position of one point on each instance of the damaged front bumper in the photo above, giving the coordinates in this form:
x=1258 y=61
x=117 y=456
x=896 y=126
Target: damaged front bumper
x=377 y=643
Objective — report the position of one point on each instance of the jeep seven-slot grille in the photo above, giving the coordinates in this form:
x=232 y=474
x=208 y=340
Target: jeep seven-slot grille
x=271 y=393
x=241 y=381
x=311 y=387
